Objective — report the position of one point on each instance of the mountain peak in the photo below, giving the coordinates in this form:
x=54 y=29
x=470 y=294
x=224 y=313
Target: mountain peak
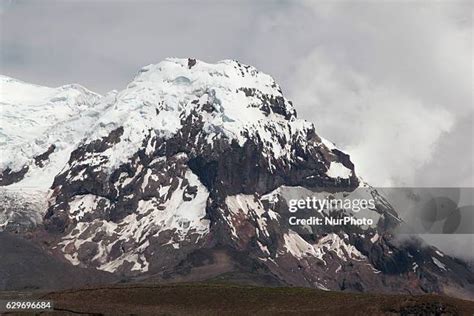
x=230 y=98
x=234 y=88
x=200 y=160
x=20 y=93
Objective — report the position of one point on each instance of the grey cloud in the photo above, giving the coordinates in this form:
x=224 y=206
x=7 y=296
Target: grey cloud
x=453 y=158
x=102 y=44
x=387 y=81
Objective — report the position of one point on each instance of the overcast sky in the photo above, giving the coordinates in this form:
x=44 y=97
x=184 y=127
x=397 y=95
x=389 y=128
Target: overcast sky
x=388 y=82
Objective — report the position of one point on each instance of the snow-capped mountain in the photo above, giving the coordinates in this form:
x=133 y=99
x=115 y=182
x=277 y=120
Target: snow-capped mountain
x=187 y=173
x=39 y=127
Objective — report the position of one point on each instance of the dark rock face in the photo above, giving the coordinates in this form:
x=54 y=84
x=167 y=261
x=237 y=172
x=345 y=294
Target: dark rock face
x=180 y=197
x=97 y=146
x=270 y=104
x=8 y=176
x=230 y=171
x=191 y=62
x=40 y=159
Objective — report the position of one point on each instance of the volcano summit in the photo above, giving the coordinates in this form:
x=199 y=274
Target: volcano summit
x=186 y=175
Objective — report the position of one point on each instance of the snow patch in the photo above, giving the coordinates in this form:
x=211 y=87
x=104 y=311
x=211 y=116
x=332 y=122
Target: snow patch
x=338 y=170
x=438 y=263
x=299 y=247
x=332 y=242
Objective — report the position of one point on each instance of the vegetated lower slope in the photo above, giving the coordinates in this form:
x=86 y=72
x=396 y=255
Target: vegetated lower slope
x=227 y=299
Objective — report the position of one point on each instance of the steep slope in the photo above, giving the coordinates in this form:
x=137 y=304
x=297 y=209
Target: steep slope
x=195 y=156
x=179 y=139
x=39 y=127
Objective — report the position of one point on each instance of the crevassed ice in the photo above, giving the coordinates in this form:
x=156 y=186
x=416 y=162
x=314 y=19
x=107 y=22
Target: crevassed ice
x=162 y=94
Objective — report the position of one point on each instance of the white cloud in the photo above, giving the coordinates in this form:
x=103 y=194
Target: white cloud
x=388 y=134
x=385 y=81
